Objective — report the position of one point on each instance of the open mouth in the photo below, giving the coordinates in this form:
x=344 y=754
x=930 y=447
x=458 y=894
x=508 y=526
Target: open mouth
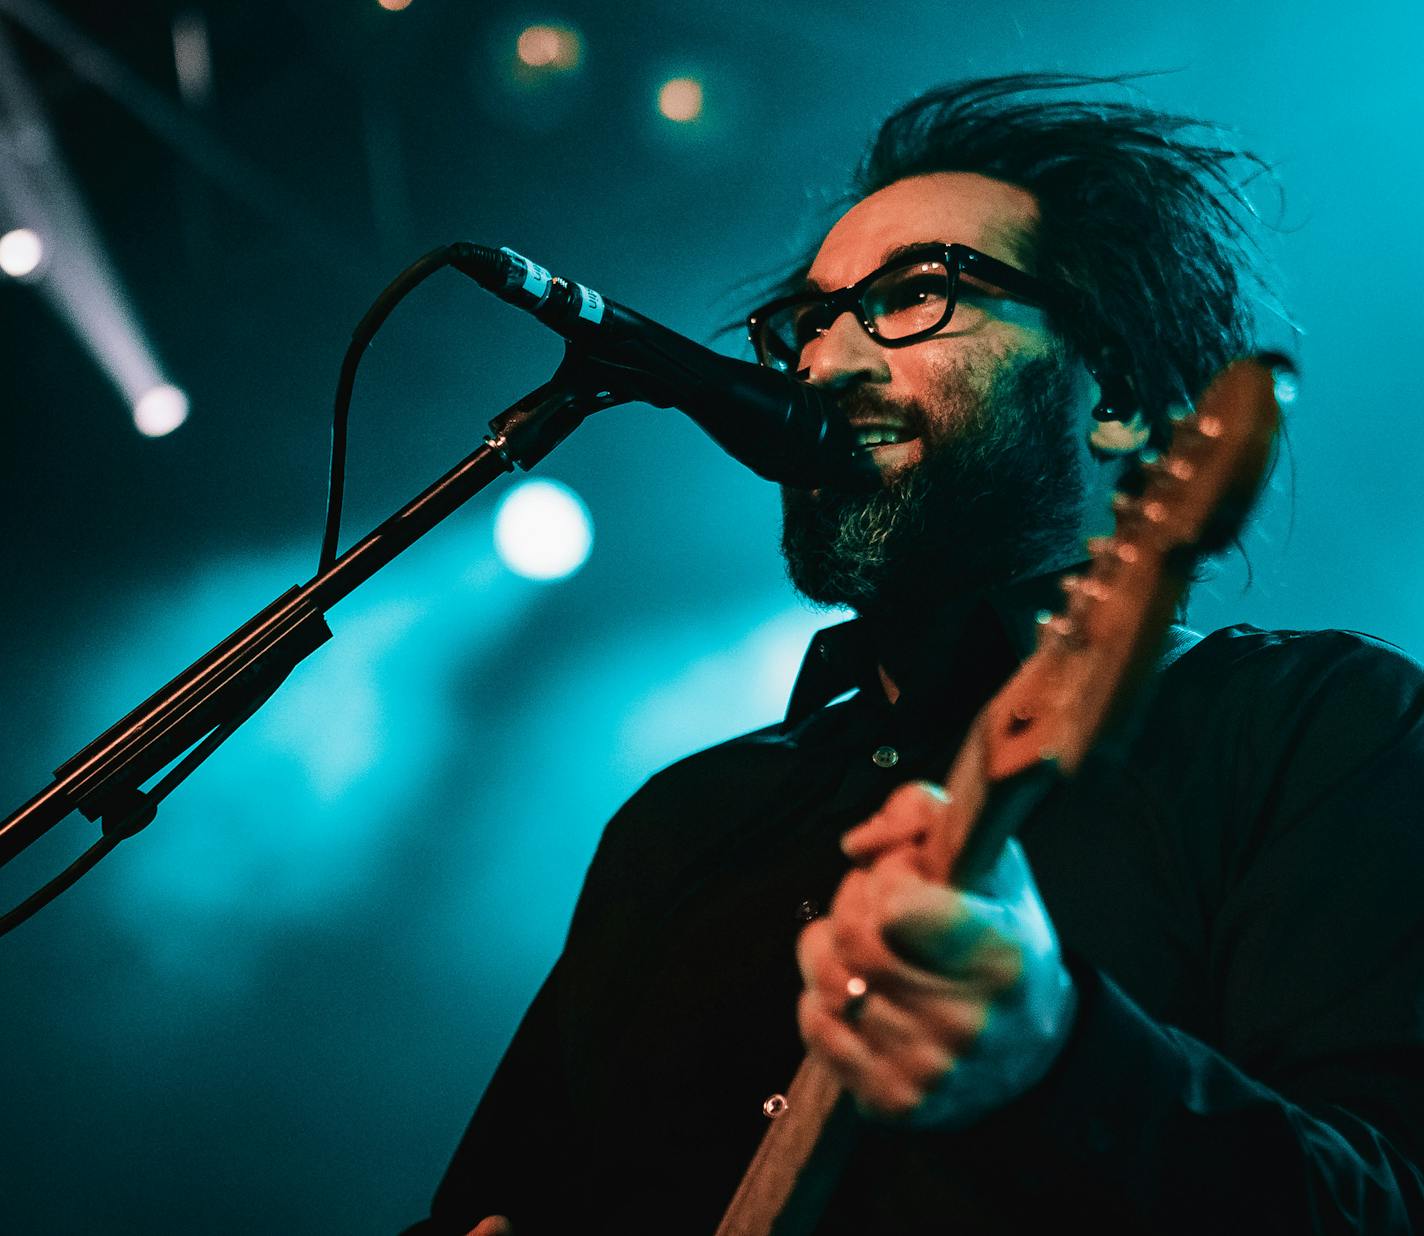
x=870 y=435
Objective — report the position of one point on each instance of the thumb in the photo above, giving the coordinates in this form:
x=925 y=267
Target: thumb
x=494 y=1225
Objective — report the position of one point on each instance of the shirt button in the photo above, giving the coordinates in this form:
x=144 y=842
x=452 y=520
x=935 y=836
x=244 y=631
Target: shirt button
x=807 y=911
x=885 y=757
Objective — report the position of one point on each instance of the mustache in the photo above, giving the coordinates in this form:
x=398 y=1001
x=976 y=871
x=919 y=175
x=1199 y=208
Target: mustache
x=860 y=403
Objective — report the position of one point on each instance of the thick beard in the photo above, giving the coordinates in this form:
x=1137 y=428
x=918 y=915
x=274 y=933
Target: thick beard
x=997 y=495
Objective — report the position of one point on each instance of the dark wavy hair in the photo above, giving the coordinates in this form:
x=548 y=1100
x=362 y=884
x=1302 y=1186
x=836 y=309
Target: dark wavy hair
x=1146 y=228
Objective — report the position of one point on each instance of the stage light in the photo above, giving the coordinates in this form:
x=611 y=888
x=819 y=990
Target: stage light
x=21 y=252
x=549 y=47
x=160 y=411
x=79 y=281
x=394 y=6
x=542 y=530
x=680 y=99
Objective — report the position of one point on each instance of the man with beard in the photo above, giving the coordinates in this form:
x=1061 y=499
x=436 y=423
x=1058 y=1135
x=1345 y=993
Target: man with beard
x=1189 y=998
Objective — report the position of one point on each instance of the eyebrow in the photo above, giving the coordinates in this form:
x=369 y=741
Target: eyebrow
x=892 y=254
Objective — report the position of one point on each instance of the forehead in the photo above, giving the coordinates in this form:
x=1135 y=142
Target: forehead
x=964 y=207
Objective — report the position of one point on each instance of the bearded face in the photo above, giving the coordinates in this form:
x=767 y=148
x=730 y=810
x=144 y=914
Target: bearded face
x=998 y=493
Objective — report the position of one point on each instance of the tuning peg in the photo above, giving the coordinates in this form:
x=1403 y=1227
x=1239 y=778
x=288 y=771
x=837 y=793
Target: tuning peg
x=1108 y=550
x=1061 y=629
x=1172 y=467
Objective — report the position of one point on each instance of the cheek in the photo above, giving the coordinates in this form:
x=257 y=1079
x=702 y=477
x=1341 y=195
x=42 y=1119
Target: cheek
x=944 y=382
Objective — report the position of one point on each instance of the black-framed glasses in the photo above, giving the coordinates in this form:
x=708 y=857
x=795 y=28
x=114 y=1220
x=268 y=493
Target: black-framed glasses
x=910 y=298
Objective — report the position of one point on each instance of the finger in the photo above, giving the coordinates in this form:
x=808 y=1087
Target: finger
x=873 y=1080
x=494 y=1225
x=830 y=1036
x=958 y=936
x=905 y=818
x=911 y=937
x=839 y=990
x=916 y=1001
x=938 y=1026
x=854 y=924
x=859 y=932
x=890 y=1098
x=910 y=1018
x=937 y=999
x=819 y=960
x=914 y=1044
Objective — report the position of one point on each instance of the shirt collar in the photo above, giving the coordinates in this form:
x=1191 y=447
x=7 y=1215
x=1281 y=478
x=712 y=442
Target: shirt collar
x=844 y=657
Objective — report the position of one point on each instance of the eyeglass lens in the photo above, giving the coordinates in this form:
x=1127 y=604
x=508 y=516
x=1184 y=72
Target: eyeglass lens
x=904 y=301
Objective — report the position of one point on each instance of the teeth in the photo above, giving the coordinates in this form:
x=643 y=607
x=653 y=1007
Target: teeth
x=878 y=435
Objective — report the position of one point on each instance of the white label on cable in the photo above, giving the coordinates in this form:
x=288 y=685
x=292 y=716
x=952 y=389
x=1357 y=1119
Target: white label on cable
x=590 y=304
x=536 y=278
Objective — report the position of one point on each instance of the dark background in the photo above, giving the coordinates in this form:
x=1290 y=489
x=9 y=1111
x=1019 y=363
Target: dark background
x=273 y=1011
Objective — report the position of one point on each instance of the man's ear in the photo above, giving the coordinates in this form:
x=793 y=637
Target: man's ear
x=1119 y=426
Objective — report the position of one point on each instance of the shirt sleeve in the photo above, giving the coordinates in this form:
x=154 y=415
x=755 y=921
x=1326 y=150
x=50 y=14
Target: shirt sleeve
x=1306 y=1115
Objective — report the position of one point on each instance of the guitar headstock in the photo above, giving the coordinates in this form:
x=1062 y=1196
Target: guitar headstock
x=1110 y=630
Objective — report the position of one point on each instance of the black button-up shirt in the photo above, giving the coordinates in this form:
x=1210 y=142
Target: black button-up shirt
x=1240 y=896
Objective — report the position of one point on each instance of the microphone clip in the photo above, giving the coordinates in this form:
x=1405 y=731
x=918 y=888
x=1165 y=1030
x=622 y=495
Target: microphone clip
x=527 y=431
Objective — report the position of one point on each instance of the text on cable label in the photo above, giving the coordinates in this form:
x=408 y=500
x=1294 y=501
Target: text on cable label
x=536 y=278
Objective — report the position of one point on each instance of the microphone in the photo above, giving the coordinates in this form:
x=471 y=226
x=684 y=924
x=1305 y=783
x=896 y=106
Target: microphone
x=783 y=429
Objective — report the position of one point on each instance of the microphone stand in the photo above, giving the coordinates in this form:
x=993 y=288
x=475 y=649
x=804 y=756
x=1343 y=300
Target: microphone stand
x=208 y=701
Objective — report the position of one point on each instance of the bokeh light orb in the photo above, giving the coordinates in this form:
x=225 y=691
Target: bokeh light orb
x=549 y=47
x=542 y=530
x=680 y=99
x=21 y=252
x=394 y=6
x=160 y=411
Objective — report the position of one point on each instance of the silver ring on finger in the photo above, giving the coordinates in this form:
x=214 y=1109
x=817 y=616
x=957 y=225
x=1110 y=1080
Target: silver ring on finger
x=857 y=992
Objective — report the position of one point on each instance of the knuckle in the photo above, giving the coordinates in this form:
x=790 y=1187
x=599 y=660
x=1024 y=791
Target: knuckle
x=916 y=798
x=811 y=943
x=851 y=937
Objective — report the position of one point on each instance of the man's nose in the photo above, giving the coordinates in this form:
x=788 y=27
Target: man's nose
x=843 y=356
